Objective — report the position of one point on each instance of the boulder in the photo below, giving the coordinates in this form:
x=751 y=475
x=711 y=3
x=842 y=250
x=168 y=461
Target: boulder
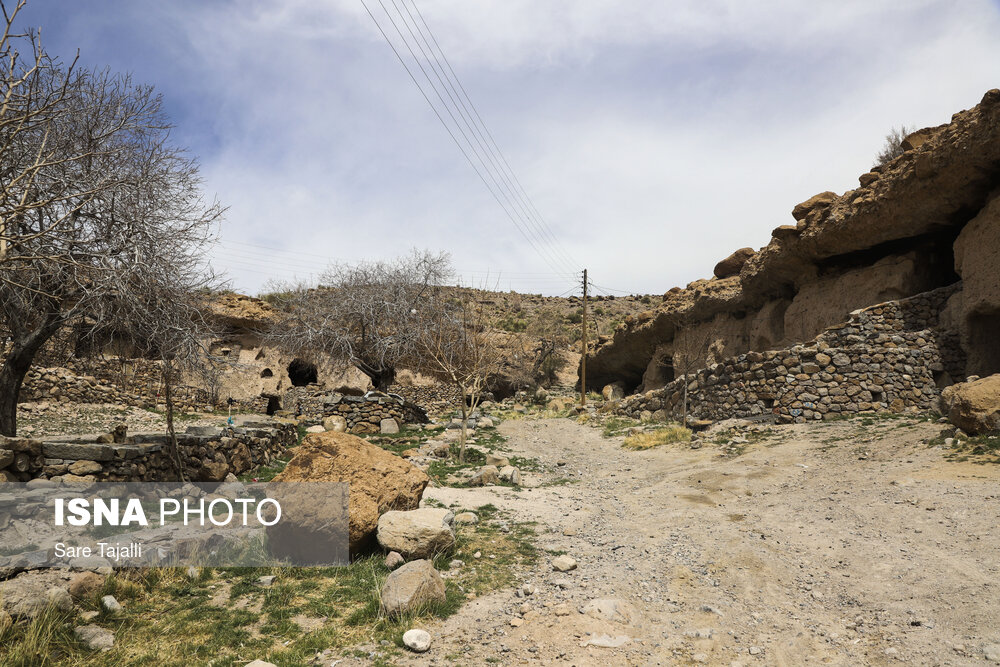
x=822 y=200
x=388 y=426
x=731 y=265
x=27 y=598
x=335 y=424
x=497 y=460
x=974 y=407
x=511 y=475
x=318 y=428
x=485 y=476
x=614 y=391
x=412 y=587
x=379 y=480
x=419 y=533
x=95 y=637
x=418 y=641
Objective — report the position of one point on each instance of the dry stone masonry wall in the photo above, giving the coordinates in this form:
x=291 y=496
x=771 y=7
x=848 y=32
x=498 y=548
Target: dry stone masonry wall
x=890 y=356
x=136 y=382
x=208 y=454
x=363 y=413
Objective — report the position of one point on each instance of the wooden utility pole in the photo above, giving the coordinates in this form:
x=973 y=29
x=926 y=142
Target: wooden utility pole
x=583 y=359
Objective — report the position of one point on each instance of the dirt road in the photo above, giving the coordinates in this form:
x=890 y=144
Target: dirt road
x=836 y=543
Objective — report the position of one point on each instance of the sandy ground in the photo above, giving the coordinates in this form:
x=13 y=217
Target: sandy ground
x=833 y=543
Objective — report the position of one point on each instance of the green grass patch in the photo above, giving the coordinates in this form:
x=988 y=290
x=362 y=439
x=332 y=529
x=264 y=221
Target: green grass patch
x=224 y=617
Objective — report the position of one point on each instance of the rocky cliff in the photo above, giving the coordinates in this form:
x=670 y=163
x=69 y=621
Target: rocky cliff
x=927 y=219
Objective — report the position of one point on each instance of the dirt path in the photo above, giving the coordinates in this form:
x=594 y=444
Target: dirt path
x=833 y=543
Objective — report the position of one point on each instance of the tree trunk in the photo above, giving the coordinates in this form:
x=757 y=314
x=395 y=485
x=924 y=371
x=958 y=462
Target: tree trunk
x=381 y=378
x=465 y=426
x=15 y=367
x=684 y=423
x=168 y=398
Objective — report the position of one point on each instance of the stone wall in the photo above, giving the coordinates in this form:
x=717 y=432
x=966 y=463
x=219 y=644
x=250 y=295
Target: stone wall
x=891 y=356
x=208 y=454
x=135 y=382
x=363 y=413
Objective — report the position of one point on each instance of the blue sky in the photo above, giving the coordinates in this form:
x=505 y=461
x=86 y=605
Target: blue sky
x=654 y=137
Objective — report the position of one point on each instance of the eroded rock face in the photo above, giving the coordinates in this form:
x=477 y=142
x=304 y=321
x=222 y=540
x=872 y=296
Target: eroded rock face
x=974 y=407
x=886 y=240
x=379 y=481
x=827 y=301
x=977 y=260
x=935 y=185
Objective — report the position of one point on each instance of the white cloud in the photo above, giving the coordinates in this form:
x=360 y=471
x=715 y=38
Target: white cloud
x=655 y=137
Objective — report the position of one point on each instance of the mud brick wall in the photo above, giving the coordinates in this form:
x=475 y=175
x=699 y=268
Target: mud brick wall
x=890 y=356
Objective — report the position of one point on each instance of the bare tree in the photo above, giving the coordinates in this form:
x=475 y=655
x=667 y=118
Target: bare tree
x=893 y=147
x=101 y=217
x=458 y=346
x=363 y=315
x=699 y=349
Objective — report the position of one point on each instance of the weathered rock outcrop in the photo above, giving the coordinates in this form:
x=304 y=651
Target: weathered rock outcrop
x=977 y=260
x=379 y=481
x=891 y=238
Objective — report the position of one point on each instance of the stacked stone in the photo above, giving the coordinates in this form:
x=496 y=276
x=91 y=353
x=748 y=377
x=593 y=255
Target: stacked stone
x=436 y=399
x=889 y=356
x=364 y=414
x=208 y=454
x=103 y=381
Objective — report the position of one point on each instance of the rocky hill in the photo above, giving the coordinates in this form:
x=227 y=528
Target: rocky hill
x=927 y=219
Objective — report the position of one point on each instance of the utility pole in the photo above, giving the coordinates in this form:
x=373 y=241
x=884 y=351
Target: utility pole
x=583 y=359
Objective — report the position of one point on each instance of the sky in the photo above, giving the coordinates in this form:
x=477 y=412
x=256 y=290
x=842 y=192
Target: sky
x=652 y=138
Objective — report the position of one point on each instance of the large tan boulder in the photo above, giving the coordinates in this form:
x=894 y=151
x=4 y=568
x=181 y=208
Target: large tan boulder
x=412 y=587
x=974 y=407
x=419 y=533
x=379 y=481
x=731 y=265
x=822 y=200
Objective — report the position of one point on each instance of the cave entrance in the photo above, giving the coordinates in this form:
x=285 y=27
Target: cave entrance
x=984 y=352
x=302 y=372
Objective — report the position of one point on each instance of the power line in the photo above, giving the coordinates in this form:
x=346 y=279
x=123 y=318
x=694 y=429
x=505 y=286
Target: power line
x=541 y=223
x=497 y=190
x=478 y=129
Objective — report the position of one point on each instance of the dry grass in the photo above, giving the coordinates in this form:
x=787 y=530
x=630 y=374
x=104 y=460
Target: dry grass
x=661 y=436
